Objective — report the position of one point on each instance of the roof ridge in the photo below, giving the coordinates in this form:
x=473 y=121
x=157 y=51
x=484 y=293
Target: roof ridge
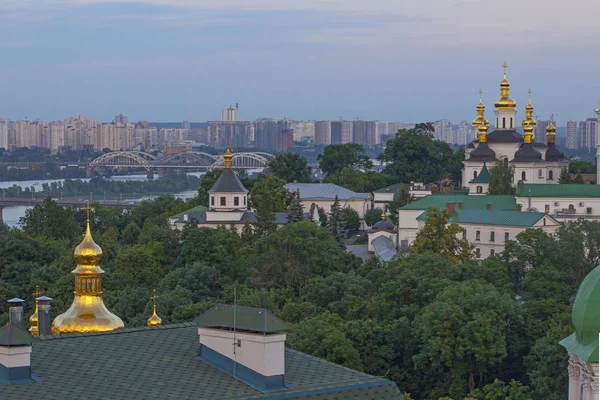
x=118 y=331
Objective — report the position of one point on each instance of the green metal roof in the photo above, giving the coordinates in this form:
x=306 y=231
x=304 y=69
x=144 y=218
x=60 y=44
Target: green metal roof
x=558 y=190
x=586 y=319
x=161 y=363
x=483 y=177
x=491 y=217
x=12 y=335
x=193 y=209
x=469 y=202
x=245 y=318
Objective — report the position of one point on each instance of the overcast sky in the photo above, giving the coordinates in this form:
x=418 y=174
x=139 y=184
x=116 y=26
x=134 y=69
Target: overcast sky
x=397 y=60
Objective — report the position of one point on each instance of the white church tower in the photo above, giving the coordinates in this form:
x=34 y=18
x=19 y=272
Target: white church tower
x=506 y=107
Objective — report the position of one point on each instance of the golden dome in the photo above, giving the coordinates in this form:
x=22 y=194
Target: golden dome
x=483 y=129
x=528 y=121
x=227 y=158
x=480 y=112
x=88 y=312
x=551 y=132
x=33 y=320
x=154 y=320
x=505 y=100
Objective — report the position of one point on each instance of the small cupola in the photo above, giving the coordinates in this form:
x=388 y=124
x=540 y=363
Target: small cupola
x=245 y=342
x=15 y=355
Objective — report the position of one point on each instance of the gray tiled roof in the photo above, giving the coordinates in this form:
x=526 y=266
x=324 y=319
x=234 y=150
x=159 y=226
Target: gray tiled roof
x=390 y=189
x=228 y=182
x=324 y=191
x=160 y=363
x=384 y=248
x=249 y=216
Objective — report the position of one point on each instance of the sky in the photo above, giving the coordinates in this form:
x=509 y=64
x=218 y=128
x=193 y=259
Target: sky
x=396 y=60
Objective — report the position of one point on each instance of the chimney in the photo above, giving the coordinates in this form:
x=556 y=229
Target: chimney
x=15 y=355
x=519 y=207
x=245 y=342
x=15 y=311
x=44 y=316
x=460 y=205
x=451 y=207
x=488 y=206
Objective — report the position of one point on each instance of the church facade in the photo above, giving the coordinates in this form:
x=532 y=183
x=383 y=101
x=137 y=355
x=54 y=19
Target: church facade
x=534 y=162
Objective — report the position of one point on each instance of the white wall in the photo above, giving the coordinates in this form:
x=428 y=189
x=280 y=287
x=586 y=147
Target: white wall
x=229 y=201
x=13 y=357
x=555 y=205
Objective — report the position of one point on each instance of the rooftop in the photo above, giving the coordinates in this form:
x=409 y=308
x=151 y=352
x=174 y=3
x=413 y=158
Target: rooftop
x=441 y=201
x=246 y=318
x=228 y=182
x=248 y=216
x=491 y=217
x=390 y=189
x=384 y=248
x=160 y=363
x=324 y=191
x=193 y=209
x=553 y=190
x=483 y=177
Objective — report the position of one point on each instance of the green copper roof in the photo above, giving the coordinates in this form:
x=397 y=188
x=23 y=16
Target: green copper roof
x=491 y=217
x=246 y=318
x=160 y=363
x=483 y=177
x=193 y=209
x=558 y=190
x=12 y=335
x=469 y=202
x=586 y=319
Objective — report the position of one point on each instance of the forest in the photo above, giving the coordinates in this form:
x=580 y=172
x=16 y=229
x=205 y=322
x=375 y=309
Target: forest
x=438 y=327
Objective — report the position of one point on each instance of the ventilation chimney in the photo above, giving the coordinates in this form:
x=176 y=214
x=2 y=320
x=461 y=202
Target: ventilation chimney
x=451 y=207
x=488 y=206
x=460 y=205
x=15 y=355
x=44 y=316
x=245 y=342
x=15 y=311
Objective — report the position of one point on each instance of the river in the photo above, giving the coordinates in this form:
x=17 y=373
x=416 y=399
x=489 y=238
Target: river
x=12 y=215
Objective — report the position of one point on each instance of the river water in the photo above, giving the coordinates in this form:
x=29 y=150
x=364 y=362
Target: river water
x=12 y=215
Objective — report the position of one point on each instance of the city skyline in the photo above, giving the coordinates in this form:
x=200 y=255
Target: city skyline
x=316 y=60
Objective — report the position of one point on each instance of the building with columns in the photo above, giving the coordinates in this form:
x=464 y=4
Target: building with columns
x=582 y=345
x=534 y=162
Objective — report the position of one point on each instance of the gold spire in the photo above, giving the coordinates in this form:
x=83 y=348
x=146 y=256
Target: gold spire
x=505 y=101
x=88 y=312
x=33 y=320
x=551 y=132
x=154 y=320
x=480 y=112
x=227 y=158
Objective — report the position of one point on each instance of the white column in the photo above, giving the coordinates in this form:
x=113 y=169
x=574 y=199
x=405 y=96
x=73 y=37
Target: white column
x=574 y=378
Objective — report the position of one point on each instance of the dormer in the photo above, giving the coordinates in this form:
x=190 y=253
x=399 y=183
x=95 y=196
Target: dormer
x=15 y=355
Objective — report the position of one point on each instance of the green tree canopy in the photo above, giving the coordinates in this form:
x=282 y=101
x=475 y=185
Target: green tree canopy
x=339 y=156
x=373 y=216
x=501 y=179
x=295 y=211
x=290 y=167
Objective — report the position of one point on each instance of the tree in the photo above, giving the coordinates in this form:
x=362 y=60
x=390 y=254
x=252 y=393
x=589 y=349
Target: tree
x=207 y=182
x=295 y=211
x=438 y=236
x=578 y=178
x=336 y=157
x=350 y=219
x=402 y=198
x=268 y=197
x=358 y=181
x=413 y=155
x=373 y=216
x=501 y=179
x=564 y=177
x=290 y=167
x=335 y=224
x=50 y=220
x=322 y=216
x=584 y=167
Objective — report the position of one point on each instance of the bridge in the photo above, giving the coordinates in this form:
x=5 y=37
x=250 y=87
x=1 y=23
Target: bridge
x=15 y=201
x=184 y=160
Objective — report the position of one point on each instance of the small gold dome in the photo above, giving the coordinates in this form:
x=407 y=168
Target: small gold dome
x=88 y=252
x=505 y=100
x=227 y=157
x=154 y=320
x=480 y=113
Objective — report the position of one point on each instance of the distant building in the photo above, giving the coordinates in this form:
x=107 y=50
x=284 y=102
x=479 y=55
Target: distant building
x=572 y=135
x=323 y=132
x=540 y=129
x=587 y=133
x=121 y=119
x=233 y=133
x=186 y=125
x=443 y=131
x=341 y=132
x=230 y=114
x=4 y=124
x=303 y=130
x=285 y=139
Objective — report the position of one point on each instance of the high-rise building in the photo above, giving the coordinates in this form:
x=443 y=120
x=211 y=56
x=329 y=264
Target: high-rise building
x=4 y=124
x=230 y=114
x=443 y=131
x=323 y=132
x=121 y=119
x=587 y=133
x=233 y=133
x=186 y=125
x=571 y=135
x=265 y=132
x=303 y=130
x=341 y=132
x=382 y=129
x=465 y=134
x=540 y=129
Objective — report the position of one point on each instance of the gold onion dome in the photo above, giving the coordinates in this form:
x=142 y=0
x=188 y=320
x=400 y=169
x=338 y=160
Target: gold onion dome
x=551 y=133
x=505 y=101
x=528 y=122
x=33 y=320
x=88 y=312
x=227 y=157
x=480 y=112
x=154 y=320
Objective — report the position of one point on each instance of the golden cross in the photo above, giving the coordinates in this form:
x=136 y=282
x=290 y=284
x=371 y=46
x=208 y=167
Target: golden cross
x=480 y=94
x=88 y=209
x=154 y=296
x=37 y=291
x=505 y=65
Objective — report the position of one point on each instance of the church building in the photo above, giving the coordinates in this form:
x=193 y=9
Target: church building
x=534 y=162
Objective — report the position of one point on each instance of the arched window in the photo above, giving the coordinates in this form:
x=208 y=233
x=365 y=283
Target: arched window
x=479 y=189
x=504 y=122
x=540 y=173
x=523 y=176
x=550 y=174
x=571 y=207
x=474 y=174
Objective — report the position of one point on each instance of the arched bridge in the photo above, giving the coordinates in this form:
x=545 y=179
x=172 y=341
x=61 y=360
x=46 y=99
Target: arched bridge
x=188 y=159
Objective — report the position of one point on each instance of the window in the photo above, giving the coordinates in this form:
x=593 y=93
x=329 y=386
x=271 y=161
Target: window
x=571 y=207
x=544 y=221
x=479 y=189
x=506 y=236
x=550 y=175
x=477 y=253
x=540 y=173
x=492 y=252
x=523 y=176
x=223 y=201
x=474 y=174
x=244 y=200
x=511 y=123
x=464 y=234
x=212 y=200
x=492 y=236
x=504 y=122
x=477 y=235
x=236 y=201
